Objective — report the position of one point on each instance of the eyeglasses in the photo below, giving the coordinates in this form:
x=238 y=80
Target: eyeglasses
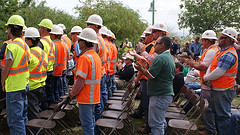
x=159 y=43
x=147 y=35
x=221 y=37
x=154 y=31
x=88 y=24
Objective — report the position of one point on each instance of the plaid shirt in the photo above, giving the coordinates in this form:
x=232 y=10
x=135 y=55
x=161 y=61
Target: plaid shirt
x=227 y=60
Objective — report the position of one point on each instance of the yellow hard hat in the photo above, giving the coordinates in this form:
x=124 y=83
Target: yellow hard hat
x=16 y=20
x=47 y=23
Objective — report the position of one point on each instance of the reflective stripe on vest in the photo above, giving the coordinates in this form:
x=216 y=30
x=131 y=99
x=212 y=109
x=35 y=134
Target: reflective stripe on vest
x=102 y=50
x=82 y=74
x=92 y=82
x=36 y=72
x=23 y=62
x=50 y=58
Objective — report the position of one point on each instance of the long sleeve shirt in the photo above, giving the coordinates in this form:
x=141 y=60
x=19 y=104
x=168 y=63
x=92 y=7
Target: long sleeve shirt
x=195 y=48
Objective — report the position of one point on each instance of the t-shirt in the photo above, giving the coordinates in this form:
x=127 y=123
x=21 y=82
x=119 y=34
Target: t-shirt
x=163 y=70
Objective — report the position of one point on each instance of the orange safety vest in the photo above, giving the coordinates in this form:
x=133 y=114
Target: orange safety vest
x=214 y=48
x=151 y=52
x=152 y=49
x=102 y=52
x=228 y=79
x=66 y=54
x=89 y=68
x=67 y=41
x=109 y=54
x=4 y=57
x=113 y=59
x=60 y=55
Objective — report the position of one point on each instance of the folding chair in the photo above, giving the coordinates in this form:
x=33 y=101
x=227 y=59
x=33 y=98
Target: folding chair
x=185 y=126
x=173 y=115
x=179 y=109
x=47 y=124
x=183 y=91
x=129 y=83
x=118 y=118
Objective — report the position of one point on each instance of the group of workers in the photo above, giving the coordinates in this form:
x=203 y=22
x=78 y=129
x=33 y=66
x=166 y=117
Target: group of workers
x=218 y=68
x=34 y=68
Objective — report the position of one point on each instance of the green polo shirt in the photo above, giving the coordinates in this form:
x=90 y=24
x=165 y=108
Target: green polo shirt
x=163 y=70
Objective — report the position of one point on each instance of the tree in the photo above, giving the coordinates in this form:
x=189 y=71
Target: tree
x=201 y=15
x=121 y=20
x=8 y=8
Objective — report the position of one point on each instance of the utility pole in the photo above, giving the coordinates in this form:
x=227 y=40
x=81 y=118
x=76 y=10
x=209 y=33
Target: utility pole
x=152 y=9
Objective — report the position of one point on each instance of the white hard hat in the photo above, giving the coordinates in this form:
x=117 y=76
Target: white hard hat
x=209 y=34
x=24 y=28
x=143 y=35
x=128 y=56
x=95 y=19
x=56 y=30
x=104 y=30
x=89 y=35
x=160 y=26
x=110 y=34
x=76 y=29
x=32 y=32
x=148 y=30
x=230 y=32
x=62 y=26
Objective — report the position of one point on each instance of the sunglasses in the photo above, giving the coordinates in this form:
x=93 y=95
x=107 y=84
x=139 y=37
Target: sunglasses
x=88 y=24
x=221 y=37
x=154 y=31
x=159 y=43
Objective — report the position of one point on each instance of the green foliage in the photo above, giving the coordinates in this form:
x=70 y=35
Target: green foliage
x=201 y=15
x=121 y=20
x=7 y=9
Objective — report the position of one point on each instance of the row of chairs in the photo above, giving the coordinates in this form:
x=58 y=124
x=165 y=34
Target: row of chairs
x=180 y=121
x=116 y=117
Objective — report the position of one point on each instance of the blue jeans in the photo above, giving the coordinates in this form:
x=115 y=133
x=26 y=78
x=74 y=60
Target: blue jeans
x=234 y=128
x=57 y=87
x=157 y=112
x=193 y=85
x=208 y=115
x=86 y=115
x=16 y=105
x=104 y=92
x=111 y=86
x=64 y=81
x=221 y=105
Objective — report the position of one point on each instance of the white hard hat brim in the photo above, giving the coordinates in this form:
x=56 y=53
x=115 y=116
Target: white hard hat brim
x=92 y=41
x=94 y=23
x=229 y=36
x=208 y=37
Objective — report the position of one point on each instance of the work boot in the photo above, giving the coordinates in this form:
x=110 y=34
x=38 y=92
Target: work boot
x=142 y=130
x=201 y=128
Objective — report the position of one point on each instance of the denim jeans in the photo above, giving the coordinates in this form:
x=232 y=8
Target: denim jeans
x=111 y=86
x=57 y=87
x=234 y=127
x=48 y=97
x=221 y=105
x=64 y=81
x=16 y=105
x=193 y=85
x=157 y=112
x=86 y=115
x=104 y=92
x=208 y=115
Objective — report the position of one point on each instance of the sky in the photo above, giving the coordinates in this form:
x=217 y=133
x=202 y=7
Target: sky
x=167 y=11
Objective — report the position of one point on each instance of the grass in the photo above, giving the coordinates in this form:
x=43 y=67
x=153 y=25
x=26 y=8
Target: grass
x=4 y=130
